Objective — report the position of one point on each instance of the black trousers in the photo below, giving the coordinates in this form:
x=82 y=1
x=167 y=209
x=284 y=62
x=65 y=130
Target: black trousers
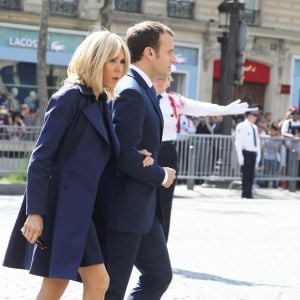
x=167 y=158
x=149 y=254
x=248 y=172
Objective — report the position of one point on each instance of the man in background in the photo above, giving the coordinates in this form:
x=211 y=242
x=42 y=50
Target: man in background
x=247 y=144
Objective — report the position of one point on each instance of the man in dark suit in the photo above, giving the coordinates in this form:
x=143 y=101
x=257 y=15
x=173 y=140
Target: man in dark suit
x=136 y=237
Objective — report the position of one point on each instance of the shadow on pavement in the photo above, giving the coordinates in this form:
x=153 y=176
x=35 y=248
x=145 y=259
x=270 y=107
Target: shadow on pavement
x=204 y=276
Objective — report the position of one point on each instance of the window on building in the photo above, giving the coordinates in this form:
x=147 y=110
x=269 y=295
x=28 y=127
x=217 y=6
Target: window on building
x=129 y=5
x=251 y=12
x=181 y=9
x=179 y=83
x=21 y=77
x=64 y=7
x=11 y=4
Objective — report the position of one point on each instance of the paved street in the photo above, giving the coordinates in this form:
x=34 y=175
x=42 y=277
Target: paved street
x=221 y=247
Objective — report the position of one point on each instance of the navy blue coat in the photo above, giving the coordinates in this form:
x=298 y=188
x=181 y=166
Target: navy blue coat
x=64 y=180
x=138 y=123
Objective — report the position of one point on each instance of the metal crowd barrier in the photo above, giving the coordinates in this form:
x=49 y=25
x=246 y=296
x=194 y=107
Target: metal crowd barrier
x=201 y=156
x=213 y=158
x=16 y=145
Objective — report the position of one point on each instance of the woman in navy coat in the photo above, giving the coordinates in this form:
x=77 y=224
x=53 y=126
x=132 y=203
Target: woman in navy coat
x=71 y=176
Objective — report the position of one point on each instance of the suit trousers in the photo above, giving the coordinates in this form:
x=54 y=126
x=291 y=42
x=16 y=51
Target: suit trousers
x=149 y=254
x=248 y=172
x=167 y=158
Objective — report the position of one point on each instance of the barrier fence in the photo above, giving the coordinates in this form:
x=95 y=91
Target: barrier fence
x=203 y=157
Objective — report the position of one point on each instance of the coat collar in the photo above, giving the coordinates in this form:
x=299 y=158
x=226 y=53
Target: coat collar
x=142 y=74
x=85 y=90
x=149 y=91
x=92 y=113
x=134 y=74
x=91 y=110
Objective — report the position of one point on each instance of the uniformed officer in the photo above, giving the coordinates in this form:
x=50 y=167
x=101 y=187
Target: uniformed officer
x=247 y=144
x=172 y=106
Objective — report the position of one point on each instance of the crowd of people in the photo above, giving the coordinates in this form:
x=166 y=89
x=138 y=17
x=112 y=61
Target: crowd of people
x=18 y=116
x=277 y=139
x=287 y=126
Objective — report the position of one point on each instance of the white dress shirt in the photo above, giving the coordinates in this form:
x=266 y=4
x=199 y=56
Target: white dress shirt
x=184 y=106
x=142 y=74
x=244 y=140
x=190 y=107
x=170 y=118
x=288 y=124
x=186 y=125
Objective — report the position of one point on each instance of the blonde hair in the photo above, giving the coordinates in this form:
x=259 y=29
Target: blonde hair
x=86 y=65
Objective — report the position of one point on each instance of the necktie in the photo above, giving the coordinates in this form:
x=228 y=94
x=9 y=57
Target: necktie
x=158 y=97
x=153 y=91
x=254 y=136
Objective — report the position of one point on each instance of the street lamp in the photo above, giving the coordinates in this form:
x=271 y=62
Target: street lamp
x=233 y=43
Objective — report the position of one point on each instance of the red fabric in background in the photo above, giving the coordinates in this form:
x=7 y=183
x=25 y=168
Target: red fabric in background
x=253 y=71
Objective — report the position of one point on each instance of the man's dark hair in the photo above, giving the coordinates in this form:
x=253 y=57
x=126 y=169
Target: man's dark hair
x=142 y=35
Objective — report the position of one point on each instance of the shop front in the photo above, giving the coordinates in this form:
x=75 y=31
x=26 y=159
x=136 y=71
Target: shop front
x=256 y=79
x=18 y=57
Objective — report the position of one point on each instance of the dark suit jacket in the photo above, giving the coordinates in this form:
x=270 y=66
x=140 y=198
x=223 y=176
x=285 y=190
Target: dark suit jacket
x=138 y=123
x=63 y=183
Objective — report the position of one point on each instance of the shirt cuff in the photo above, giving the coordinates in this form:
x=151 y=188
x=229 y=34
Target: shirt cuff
x=166 y=176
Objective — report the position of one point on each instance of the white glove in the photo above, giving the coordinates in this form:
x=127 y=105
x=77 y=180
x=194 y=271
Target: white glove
x=236 y=108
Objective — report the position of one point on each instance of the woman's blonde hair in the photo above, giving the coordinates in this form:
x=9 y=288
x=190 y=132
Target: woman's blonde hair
x=87 y=63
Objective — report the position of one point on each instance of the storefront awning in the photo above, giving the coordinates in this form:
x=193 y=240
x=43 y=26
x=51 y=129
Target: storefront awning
x=253 y=71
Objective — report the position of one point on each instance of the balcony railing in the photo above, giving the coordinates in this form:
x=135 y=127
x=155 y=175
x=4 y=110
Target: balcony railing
x=181 y=9
x=11 y=4
x=64 y=7
x=129 y=5
x=251 y=17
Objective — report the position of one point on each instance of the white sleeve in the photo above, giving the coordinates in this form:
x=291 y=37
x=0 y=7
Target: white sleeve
x=285 y=126
x=258 y=155
x=238 y=145
x=196 y=108
x=166 y=176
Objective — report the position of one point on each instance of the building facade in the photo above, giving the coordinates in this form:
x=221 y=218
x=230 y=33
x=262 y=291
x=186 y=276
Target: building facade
x=271 y=69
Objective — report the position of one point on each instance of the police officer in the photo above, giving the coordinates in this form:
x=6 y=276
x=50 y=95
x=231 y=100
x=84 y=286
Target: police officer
x=172 y=106
x=247 y=144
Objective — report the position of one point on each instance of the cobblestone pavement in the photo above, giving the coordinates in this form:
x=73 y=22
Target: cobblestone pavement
x=221 y=247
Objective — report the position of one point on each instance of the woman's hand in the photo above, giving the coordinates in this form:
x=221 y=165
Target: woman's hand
x=32 y=228
x=148 y=160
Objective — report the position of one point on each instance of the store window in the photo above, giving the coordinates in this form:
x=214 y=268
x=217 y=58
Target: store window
x=18 y=79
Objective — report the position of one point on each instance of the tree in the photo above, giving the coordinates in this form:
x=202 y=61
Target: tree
x=41 y=59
